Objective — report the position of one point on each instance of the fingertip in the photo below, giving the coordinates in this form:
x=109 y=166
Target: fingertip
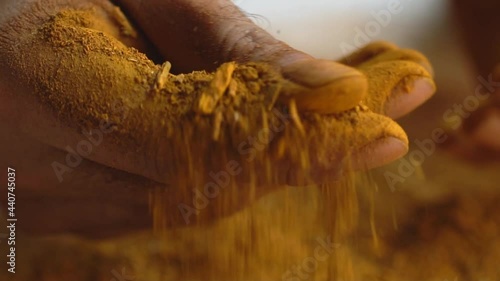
x=403 y=101
x=397 y=87
x=387 y=142
x=379 y=153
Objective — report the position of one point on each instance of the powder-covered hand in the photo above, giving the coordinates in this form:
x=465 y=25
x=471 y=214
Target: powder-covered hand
x=201 y=34
x=52 y=94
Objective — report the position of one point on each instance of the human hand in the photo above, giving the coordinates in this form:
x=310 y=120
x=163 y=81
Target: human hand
x=316 y=86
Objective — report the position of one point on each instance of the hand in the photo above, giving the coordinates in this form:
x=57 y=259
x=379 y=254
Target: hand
x=199 y=35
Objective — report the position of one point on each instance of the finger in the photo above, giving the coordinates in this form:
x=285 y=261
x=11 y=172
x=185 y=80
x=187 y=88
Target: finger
x=380 y=51
x=325 y=89
x=323 y=86
x=367 y=52
x=397 y=87
x=406 y=95
x=399 y=55
x=355 y=140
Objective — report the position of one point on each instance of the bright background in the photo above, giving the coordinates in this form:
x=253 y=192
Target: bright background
x=318 y=27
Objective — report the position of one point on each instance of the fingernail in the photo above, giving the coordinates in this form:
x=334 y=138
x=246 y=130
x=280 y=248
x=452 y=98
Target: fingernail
x=315 y=73
x=324 y=86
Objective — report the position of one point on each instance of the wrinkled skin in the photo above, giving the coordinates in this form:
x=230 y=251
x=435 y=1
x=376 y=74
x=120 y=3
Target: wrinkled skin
x=193 y=34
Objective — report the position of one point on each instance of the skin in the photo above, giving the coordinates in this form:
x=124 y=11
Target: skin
x=193 y=35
